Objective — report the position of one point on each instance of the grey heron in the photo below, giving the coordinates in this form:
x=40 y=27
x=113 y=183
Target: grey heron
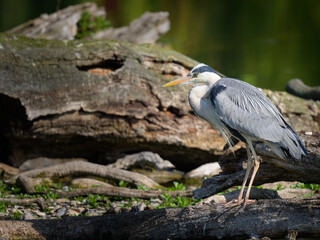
x=241 y=111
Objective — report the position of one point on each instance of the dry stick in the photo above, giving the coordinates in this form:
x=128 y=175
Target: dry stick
x=123 y=192
x=83 y=168
x=28 y=201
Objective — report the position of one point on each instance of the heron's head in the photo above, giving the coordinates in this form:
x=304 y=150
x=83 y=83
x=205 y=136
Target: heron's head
x=200 y=74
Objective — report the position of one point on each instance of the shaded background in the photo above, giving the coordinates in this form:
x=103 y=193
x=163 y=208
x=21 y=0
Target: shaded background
x=263 y=42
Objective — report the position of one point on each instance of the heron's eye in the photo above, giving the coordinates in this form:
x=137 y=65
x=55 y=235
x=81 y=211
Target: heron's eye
x=194 y=75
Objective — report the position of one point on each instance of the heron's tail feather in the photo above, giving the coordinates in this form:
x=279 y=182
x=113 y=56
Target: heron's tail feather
x=290 y=146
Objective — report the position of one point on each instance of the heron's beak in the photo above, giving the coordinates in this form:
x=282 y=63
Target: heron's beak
x=178 y=81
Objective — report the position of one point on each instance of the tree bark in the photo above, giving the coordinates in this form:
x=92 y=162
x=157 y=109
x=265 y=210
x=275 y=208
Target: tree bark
x=101 y=99
x=265 y=218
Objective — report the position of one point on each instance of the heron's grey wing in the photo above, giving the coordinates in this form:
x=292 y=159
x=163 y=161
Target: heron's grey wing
x=246 y=110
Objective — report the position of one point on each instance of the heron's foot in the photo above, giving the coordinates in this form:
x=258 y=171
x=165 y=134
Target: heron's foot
x=234 y=202
x=241 y=209
x=237 y=202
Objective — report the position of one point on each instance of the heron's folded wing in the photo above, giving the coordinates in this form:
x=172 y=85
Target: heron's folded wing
x=247 y=110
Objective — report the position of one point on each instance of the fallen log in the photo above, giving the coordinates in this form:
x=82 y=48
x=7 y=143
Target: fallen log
x=101 y=99
x=63 y=25
x=265 y=218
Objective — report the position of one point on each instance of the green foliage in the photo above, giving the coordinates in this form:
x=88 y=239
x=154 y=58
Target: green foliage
x=177 y=187
x=57 y=185
x=50 y=195
x=311 y=186
x=123 y=184
x=3 y=206
x=78 y=198
x=92 y=200
x=142 y=187
x=89 y=25
x=16 y=215
x=175 y=202
x=42 y=188
x=45 y=191
x=11 y=189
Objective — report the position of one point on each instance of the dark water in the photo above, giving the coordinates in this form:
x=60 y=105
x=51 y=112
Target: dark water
x=265 y=43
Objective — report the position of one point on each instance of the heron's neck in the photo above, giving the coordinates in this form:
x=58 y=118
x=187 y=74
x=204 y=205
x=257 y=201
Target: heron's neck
x=198 y=95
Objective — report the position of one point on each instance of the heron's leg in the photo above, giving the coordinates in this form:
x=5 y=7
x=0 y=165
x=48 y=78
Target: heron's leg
x=255 y=169
x=249 y=167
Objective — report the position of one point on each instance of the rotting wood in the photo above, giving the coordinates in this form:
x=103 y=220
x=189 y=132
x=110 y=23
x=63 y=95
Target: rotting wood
x=195 y=222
